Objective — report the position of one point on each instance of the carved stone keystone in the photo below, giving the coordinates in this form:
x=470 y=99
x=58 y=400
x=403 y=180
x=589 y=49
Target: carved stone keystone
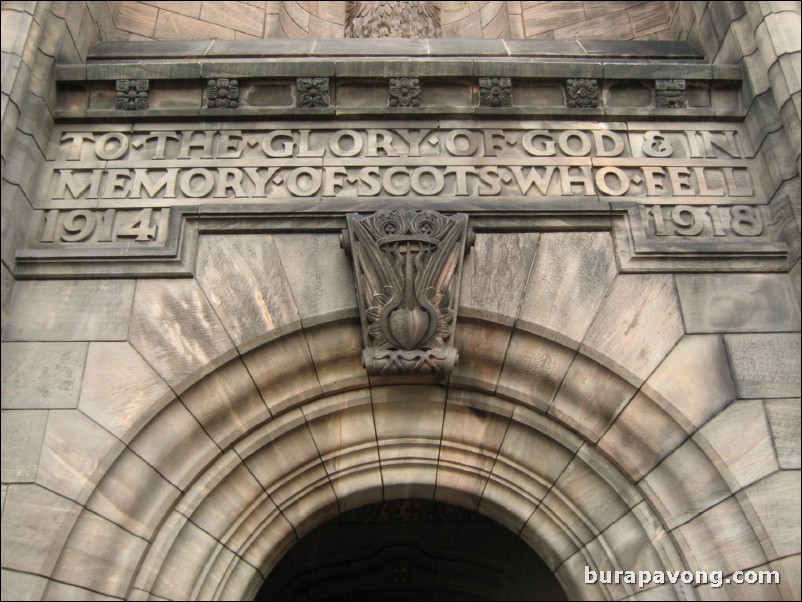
x=407 y=267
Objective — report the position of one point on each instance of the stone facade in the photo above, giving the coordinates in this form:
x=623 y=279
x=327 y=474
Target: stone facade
x=183 y=387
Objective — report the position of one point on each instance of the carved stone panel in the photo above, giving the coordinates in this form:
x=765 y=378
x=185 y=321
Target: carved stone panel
x=670 y=94
x=407 y=266
x=405 y=92
x=132 y=94
x=222 y=93
x=495 y=92
x=582 y=93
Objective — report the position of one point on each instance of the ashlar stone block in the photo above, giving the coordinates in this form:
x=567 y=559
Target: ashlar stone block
x=720 y=539
x=482 y=347
x=284 y=372
x=784 y=422
x=753 y=456
x=175 y=445
x=494 y=275
x=571 y=274
x=765 y=365
x=23 y=431
x=226 y=403
x=533 y=369
x=35 y=524
x=737 y=302
x=42 y=375
x=473 y=429
x=120 y=390
x=772 y=505
x=641 y=436
x=409 y=422
x=345 y=435
x=684 y=485
x=133 y=495
x=638 y=324
x=244 y=281
x=15 y=585
x=693 y=383
x=70 y=310
x=590 y=397
x=336 y=350
x=75 y=453
x=177 y=332
x=319 y=275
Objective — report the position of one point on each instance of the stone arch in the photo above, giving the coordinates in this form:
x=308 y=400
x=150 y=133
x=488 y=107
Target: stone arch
x=212 y=523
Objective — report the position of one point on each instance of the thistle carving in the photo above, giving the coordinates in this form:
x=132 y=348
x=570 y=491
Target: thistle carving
x=407 y=266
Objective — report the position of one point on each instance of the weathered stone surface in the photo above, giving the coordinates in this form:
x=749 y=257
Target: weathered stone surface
x=737 y=302
x=15 y=585
x=693 y=382
x=494 y=276
x=284 y=372
x=133 y=495
x=765 y=365
x=789 y=569
x=784 y=422
x=35 y=524
x=23 y=431
x=638 y=324
x=70 y=310
x=99 y=556
x=226 y=403
x=175 y=445
x=319 y=275
x=336 y=351
x=64 y=591
x=533 y=455
x=641 y=436
x=720 y=539
x=533 y=369
x=75 y=453
x=120 y=391
x=229 y=503
x=482 y=347
x=772 y=505
x=685 y=484
x=177 y=332
x=345 y=435
x=752 y=457
x=244 y=281
x=409 y=421
x=284 y=459
x=473 y=429
x=584 y=501
x=570 y=277
x=590 y=397
x=42 y=375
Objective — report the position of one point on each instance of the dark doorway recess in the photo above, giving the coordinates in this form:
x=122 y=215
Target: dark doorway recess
x=411 y=550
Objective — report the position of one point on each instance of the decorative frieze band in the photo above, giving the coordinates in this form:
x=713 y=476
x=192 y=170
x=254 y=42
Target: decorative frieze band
x=406 y=92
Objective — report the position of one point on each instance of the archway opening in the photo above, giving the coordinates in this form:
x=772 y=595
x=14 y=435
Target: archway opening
x=411 y=550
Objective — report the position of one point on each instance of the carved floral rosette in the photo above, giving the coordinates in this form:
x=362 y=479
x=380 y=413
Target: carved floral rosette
x=407 y=267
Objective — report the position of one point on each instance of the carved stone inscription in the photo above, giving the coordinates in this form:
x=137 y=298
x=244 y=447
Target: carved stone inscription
x=167 y=166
